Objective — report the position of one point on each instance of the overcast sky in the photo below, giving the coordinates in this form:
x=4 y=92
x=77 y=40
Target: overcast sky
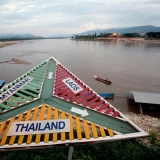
x=50 y=17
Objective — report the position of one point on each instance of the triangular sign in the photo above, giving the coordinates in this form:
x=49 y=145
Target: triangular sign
x=50 y=106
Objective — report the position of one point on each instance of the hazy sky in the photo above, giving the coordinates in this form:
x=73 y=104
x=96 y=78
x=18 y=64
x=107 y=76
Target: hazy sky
x=51 y=17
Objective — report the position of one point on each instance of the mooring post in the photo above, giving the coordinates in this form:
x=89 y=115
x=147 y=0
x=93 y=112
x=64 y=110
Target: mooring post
x=141 y=111
x=70 y=153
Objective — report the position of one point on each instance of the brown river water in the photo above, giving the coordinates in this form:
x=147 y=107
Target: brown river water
x=130 y=66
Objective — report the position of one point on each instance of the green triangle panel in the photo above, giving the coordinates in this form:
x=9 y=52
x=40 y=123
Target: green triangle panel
x=22 y=91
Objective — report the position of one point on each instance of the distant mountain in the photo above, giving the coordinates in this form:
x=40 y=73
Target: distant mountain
x=18 y=36
x=136 y=29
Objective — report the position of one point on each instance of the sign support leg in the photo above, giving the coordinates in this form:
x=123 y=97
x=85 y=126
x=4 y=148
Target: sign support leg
x=70 y=152
x=141 y=111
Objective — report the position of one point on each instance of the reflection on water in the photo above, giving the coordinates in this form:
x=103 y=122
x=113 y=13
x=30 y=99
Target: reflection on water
x=130 y=66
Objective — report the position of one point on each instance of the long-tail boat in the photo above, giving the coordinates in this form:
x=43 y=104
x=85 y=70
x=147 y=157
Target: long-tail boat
x=102 y=80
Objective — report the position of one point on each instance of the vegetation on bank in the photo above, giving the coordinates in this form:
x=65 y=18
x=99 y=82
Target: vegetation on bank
x=155 y=35
x=17 y=39
x=126 y=149
x=22 y=39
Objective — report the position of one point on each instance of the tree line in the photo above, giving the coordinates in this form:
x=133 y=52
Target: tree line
x=125 y=35
x=153 y=34
x=16 y=39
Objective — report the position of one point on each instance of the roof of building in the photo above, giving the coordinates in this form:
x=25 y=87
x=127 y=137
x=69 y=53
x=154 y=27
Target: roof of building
x=114 y=34
x=146 y=97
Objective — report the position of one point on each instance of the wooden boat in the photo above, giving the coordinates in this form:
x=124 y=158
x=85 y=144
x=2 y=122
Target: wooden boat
x=106 y=81
x=106 y=95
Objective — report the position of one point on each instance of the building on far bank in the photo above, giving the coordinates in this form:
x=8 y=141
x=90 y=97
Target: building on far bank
x=142 y=34
x=115 y=35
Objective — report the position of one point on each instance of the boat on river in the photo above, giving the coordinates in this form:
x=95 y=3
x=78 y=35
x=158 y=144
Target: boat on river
x=106 y=95
x=2 y=82
x=106 y=81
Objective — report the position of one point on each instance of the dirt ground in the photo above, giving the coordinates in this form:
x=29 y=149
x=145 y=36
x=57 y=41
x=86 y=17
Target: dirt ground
x=147 y=123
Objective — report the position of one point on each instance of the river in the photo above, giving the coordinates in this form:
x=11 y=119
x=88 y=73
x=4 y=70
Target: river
x=130 y=66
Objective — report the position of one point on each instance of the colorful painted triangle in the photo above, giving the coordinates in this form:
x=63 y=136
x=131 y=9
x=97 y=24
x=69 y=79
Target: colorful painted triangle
x=50 y=106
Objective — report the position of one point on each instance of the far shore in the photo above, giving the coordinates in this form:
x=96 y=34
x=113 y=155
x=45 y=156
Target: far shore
x=7 y=43
x=125 y=40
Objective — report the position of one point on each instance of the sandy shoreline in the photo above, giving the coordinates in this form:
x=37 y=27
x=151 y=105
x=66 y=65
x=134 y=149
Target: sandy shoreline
x=7 y=43
x=140 y=40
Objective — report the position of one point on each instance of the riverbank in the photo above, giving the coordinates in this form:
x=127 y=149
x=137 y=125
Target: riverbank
x=125 y=40
x=147 y=123
x=7 y=43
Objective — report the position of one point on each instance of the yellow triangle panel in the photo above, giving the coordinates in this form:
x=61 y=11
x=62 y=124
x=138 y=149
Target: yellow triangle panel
x=82 y=131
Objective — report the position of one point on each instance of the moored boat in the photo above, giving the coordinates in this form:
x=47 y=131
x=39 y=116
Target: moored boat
x=2 y=82
x=106 y=95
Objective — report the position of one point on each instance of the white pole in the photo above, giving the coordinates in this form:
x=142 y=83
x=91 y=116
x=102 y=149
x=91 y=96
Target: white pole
x=70 y=153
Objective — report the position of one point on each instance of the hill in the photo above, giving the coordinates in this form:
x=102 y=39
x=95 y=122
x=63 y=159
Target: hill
x=135 y=29
x=18 y=36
